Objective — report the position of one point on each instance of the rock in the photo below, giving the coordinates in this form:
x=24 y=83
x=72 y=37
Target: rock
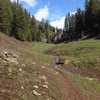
x=36 y=93
x=45 y=86
x=9 y=57
x=43 y=77
x=20 y=69
x=56 y=73
x=90 y=79
x=12 y=60
x=15 y=56
x=33 y=63
x=22 y=87
x=36 y=87
x=43 y=67
x=56 y=66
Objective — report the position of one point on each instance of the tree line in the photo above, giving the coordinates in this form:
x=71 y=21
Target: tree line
x=17 y=22
x=84 y=23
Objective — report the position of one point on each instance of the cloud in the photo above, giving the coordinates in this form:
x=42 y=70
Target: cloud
x=59 y=23
x=12 y=0
x=29 y=2
x=42 y=13
x=73 y=12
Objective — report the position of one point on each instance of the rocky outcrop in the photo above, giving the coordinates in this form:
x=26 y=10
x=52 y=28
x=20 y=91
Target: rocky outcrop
x=9 y=57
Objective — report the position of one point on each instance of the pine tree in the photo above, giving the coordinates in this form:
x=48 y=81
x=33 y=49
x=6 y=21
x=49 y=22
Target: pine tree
x=34 y=28
x=66 y=34
x=17 y=22
x=5 y=16
x=27 y=26
x=88 y=16
x=78 y=24
x=21 y=23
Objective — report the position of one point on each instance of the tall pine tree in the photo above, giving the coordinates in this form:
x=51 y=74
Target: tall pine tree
x=5 y=16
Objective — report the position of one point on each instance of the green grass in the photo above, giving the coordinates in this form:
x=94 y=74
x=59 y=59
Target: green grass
x=41 y=47
x=37 y=54
x=39 y=50
x=84 y=54
x=29 y=76
x=80 y=48
x=89 y=86
x=36 y=51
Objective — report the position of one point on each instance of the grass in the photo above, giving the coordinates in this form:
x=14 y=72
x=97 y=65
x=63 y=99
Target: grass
x=22 y=82
x=40 y=48
x=84 y=54
x=89 y=86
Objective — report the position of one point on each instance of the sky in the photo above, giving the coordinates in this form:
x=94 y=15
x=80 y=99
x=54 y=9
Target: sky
x=52 y=10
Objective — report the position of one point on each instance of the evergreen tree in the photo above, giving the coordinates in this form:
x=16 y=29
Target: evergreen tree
x=21 y=23
x=88 y=15
x=69 y=28
x=92 y=17
x=34 y=28
x=47 y=31
x=17 y=22
x=66 y=34
x=5 y=16
x=79 y=24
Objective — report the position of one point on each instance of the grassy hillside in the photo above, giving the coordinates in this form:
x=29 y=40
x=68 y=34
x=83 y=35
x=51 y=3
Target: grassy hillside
x=82 y=54
x=26 y=73
x=85 y=56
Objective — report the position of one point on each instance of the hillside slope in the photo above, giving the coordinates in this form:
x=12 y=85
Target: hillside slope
x=26 y=74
